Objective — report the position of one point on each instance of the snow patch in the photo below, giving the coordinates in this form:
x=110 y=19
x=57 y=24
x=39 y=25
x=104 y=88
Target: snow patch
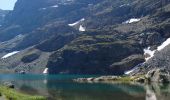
x=148 y=53
x=77 y=22
x=55 y=6
x=132 y=20
x=10 y=54
x=129 y=71
x=82 y=29
x=45 y=71
x=163 y=45
x=42 y=8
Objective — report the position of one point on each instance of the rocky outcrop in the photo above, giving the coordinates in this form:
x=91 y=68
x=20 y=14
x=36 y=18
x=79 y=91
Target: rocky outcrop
x=158 y=75
x=93 y=58
x=128 y=63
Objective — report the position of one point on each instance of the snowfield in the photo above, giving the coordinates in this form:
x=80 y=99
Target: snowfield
x=10 y=54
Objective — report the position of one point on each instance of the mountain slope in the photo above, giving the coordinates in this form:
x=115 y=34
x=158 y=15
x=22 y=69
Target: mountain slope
x=82 y=37
x=3 y=13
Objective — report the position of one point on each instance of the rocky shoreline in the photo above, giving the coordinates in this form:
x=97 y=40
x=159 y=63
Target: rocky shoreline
x=153 y=76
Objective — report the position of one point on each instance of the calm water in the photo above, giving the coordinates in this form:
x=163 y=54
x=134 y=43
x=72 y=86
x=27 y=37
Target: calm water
x=60 y=87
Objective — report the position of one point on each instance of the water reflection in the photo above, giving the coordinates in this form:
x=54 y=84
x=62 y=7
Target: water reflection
x=61 y=88
x=158 y=92
x=150 y=94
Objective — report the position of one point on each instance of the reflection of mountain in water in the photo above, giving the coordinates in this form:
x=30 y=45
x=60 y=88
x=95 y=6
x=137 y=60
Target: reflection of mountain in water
x=158 y=92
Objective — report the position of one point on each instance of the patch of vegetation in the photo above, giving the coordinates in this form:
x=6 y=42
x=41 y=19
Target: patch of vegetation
x=11 y=94
x=30 y=58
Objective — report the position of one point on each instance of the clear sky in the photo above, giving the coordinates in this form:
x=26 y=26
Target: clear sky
x=7 y=4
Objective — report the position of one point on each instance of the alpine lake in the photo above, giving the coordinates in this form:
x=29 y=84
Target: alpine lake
x=61 y=87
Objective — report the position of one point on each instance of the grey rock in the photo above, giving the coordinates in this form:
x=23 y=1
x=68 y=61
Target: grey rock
x=140 y=80
x=158 y=75
x=9 y=85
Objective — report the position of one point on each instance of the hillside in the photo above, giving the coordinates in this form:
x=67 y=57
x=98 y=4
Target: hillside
x=81 y=36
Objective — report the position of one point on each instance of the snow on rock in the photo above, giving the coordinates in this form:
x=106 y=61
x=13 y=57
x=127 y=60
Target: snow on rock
x=77 y=22
x=132 y=20
x=81 y=28
x=163 y=45
x=10 y=54
x=148 y=53
x=45 y=71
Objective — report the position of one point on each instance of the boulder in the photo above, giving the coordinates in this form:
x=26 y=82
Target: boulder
x=9 y=85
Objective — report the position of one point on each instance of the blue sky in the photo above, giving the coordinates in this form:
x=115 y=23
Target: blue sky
x=7 y=4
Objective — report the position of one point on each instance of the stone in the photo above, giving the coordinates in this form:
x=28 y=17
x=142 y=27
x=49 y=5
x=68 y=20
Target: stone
x=9 y=85
x=140 y=80
x=22 y=72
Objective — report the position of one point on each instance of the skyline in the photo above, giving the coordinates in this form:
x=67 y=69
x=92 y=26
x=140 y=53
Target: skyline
x=7 y=4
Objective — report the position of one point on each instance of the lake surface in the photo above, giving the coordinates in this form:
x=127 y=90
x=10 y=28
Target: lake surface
x=60 y=87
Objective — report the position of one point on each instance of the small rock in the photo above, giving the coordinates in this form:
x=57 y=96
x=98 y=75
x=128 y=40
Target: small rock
x=140 y=80
x=22 y=72
x=9 y=85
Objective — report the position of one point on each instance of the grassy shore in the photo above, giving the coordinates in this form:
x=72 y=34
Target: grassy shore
x=11 y=94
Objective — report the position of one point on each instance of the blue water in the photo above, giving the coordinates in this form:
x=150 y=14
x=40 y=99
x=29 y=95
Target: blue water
x=61 y=87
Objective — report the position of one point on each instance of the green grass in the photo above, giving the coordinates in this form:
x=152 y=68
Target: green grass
x=11 y=94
